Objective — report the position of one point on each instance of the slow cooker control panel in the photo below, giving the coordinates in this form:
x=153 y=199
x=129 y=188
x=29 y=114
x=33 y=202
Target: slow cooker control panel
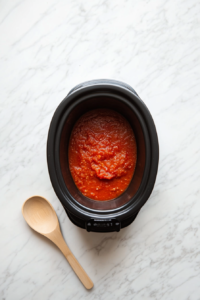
x=102 y=225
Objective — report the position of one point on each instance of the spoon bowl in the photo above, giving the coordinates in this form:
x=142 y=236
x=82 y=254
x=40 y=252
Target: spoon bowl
x=41 y=216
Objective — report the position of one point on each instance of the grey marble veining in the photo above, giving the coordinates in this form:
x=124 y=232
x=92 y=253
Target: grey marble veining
x=47 y=47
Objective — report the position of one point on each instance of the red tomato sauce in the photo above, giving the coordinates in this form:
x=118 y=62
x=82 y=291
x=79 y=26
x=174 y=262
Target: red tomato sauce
x=102 y=154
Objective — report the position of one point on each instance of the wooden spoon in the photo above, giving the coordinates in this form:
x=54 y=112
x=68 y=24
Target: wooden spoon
x=40 y=216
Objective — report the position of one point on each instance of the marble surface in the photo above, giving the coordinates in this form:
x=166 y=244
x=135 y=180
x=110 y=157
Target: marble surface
x=49 y=46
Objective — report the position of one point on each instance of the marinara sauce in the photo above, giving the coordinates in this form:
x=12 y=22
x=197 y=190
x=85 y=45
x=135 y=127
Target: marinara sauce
x=102 y=154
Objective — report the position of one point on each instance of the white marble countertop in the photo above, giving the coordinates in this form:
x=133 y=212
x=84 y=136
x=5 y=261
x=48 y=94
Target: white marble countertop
x=47 y=47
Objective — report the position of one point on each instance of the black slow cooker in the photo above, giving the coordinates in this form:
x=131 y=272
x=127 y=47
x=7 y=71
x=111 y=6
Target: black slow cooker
x=111 y=215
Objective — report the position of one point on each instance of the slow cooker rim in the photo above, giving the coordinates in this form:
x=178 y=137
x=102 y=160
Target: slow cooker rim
x=58 y=168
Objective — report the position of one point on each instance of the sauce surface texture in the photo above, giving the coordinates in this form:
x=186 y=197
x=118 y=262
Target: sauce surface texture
x=102 y=154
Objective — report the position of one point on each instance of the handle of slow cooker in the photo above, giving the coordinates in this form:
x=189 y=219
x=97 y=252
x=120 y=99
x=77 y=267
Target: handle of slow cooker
x=102 y=81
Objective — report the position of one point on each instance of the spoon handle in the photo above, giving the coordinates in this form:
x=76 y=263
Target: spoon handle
x=84 y=278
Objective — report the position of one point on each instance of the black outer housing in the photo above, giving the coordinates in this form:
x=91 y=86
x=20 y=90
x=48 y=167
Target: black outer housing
x=92 y=219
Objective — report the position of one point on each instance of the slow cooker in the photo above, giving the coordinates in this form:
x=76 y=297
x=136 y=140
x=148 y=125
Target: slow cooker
x=111 y=215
